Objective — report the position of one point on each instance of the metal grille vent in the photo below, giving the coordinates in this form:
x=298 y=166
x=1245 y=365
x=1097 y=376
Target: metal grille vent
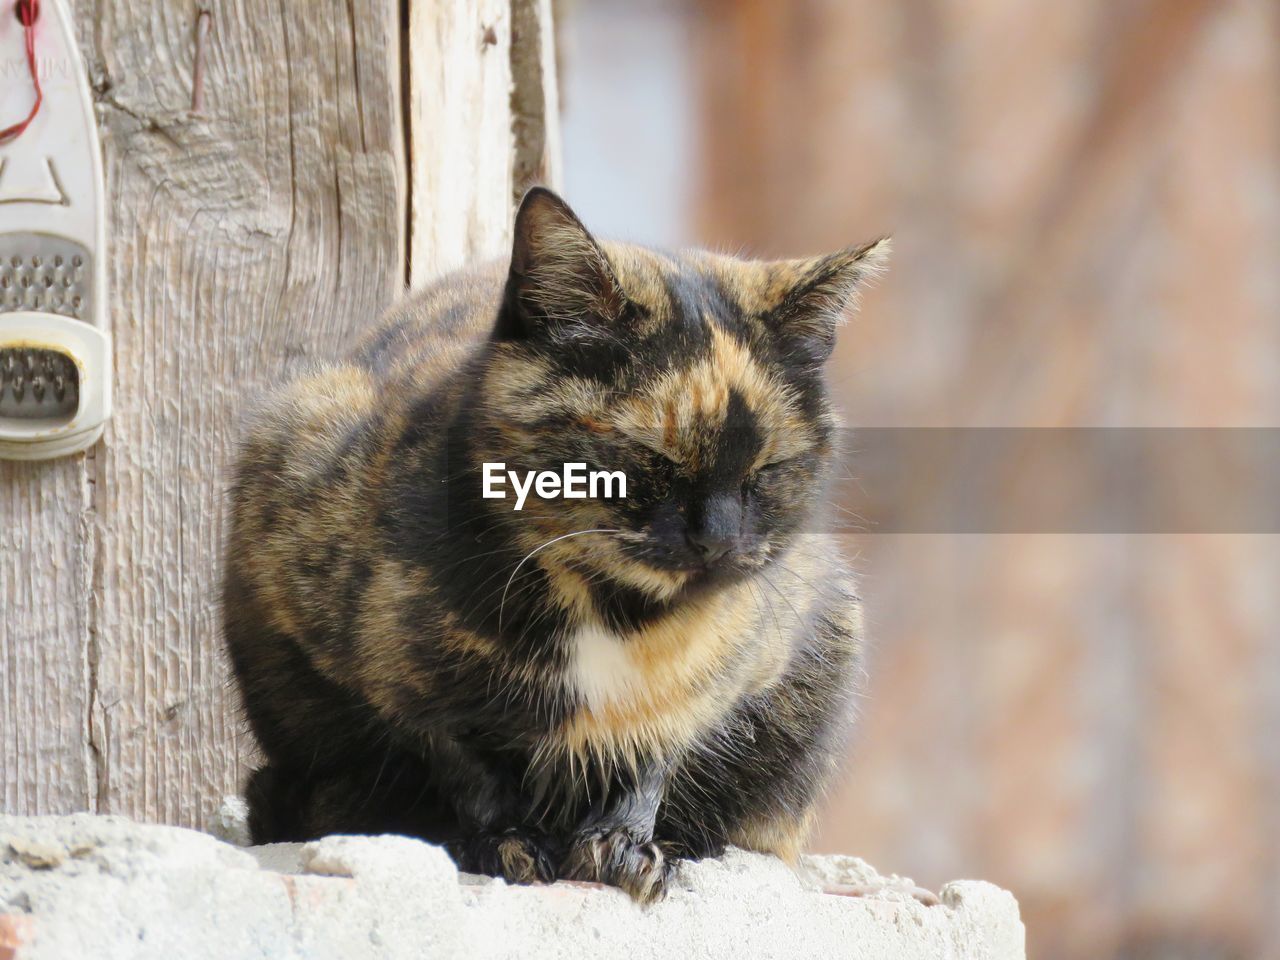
x=41 y=274
x=44 y=274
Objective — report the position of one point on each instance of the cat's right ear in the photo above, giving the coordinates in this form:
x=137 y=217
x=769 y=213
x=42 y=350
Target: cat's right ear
x=560 y=281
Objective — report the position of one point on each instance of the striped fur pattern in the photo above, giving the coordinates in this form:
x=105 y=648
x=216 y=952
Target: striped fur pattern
x=587 y=689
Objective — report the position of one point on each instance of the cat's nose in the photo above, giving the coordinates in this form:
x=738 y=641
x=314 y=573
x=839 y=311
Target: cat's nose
x=718 y=531
x=710 y=547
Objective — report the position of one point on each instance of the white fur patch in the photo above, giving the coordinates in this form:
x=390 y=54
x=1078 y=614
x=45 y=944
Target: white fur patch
x=600 y=667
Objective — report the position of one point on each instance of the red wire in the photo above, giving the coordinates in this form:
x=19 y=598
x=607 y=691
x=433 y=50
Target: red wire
x=28 y=13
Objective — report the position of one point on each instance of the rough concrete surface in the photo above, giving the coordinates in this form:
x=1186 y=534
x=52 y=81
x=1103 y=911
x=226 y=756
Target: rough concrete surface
x=104 y=887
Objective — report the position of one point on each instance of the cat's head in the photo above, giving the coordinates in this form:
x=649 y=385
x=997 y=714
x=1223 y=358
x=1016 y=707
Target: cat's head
x=699 y=377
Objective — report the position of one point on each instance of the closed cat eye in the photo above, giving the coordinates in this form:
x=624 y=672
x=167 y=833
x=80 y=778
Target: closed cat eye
x=664 y=456
x=775 y=465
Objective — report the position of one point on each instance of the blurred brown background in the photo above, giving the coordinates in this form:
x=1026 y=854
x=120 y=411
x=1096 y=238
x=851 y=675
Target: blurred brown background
x=1085 y=199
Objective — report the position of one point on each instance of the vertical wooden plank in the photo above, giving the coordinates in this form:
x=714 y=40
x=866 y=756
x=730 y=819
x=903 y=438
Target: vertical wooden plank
x=461 y=162
x=47 y=666
x=535 y=96
x=46 y=563
x=246 y=242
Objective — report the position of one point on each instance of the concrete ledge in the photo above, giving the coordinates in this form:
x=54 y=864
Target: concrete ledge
x=105 y=887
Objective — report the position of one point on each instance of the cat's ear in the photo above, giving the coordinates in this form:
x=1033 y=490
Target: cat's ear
x=816 y=295
x=560 y=279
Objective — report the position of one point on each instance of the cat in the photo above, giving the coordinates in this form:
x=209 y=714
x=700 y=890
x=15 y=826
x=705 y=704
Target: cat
x=588 y=688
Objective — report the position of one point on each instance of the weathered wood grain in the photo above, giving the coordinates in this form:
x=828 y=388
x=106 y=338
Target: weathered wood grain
x=535 y=96
x=46 y=570
x=460 y=125
x=247 y=241
x=483 y=108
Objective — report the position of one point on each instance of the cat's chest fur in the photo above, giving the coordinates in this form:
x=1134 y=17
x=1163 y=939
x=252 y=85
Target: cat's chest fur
x=661 y=687
x=603 y=671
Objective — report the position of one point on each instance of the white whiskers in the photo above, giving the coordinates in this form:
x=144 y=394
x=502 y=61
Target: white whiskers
x=565 y=536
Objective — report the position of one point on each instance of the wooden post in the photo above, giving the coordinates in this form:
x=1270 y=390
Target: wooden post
x=249 y=238
x=482 y=119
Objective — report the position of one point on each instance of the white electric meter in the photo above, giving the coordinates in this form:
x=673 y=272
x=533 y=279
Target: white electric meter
x=55 y=347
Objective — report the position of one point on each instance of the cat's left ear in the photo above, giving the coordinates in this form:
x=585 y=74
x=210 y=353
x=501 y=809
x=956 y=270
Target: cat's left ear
x=818 y=294
x=560 y=280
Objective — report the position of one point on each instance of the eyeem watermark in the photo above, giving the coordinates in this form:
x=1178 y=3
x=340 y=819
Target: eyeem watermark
x=574 y=482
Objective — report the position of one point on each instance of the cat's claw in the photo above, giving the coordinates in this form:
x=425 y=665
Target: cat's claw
x=614 y=857
x=516 y=856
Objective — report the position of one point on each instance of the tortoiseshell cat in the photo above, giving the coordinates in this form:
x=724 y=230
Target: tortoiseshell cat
x=586 y=688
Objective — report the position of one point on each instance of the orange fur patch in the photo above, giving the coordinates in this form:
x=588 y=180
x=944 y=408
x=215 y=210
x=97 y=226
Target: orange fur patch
x=667 y=682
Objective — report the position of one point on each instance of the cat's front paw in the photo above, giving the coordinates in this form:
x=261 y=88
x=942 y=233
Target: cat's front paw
x=517 y=856
x=616 y=858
